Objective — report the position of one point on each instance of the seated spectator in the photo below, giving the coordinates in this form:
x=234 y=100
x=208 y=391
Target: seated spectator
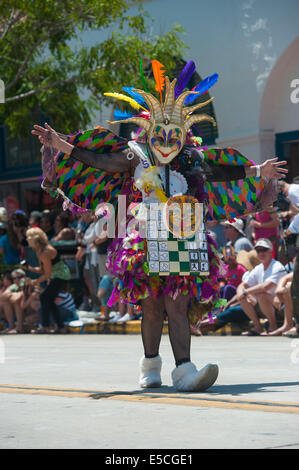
x=291 y=191
x=46 y=225
x=231 y=312
x=104 y=293
x=261 y=284
x=234 y=233
x=125 y=313
x=34 y=219
x=293 y=228
x=282 y=299
x=233 y=274
x=11 y=299
x=4 y=284
x=30 y=303
x=62 y=229
x=66 y=306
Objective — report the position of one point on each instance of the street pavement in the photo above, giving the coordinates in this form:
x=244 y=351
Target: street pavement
x=81 y=392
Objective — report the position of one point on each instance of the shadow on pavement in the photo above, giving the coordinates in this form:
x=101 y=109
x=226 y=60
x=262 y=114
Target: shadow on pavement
x=234 y=390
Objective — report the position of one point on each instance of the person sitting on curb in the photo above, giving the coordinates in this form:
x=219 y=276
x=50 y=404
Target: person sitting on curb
x=261 y=284
x=293 y=228
x=283 y=300
x=231 y=313
x=234 y=233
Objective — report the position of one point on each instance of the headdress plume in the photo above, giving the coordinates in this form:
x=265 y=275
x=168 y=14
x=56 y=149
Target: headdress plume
x=158 y=70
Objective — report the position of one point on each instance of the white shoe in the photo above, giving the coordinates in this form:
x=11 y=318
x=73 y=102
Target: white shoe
x=186 y=378
x=116 y=317
x=150 y=372
x=125 y=318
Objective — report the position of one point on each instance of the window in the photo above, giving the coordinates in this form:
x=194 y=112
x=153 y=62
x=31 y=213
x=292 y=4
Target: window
x=287 y=148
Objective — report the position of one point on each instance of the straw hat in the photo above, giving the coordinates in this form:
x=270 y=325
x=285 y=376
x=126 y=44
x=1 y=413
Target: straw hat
x=248 y=259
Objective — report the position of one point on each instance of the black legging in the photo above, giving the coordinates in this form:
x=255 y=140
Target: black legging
x=47 y=300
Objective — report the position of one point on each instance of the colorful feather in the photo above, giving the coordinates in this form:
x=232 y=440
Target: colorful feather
x=184 y=78
x=137 y=97
x=202 y=87
x=120 y=115
x=142 y=76
x=120 y=96
x=159 y=76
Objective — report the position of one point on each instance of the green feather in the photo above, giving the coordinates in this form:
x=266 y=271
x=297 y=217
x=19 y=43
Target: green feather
x=142 y=76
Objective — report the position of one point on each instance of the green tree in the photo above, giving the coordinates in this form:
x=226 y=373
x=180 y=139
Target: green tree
x=46 y=66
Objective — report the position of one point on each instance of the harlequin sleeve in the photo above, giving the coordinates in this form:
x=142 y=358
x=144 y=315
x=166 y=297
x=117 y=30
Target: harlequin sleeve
x=95 y=172
x=230 y=193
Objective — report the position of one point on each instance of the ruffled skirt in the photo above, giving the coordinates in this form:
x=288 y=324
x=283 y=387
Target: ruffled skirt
x=127 y=262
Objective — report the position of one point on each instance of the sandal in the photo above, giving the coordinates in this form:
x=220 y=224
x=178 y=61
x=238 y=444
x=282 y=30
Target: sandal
x=251 y=333
x=60 y=331
x=292 y=333
x=41 y=331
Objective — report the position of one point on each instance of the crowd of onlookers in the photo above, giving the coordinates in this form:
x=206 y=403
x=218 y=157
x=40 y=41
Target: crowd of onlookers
x=258 y=254
x=32 y=244
x=260 y=271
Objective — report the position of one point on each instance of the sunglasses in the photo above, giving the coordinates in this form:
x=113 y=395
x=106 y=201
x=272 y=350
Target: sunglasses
x=262 y=250
x=17 y=277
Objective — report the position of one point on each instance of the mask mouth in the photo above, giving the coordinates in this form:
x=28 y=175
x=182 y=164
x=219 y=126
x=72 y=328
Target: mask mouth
x=164 y=155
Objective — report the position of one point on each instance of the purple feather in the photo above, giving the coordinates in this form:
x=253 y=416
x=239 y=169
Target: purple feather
x=184 y=78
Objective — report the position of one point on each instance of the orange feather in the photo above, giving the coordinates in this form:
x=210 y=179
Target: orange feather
x=159 y=76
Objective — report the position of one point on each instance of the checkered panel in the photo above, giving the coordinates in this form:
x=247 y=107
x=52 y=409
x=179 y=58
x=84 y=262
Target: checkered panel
x=168 y=255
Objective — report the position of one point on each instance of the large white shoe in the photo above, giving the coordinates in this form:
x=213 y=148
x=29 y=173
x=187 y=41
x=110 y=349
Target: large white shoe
x=186 y=378
x=150 y=372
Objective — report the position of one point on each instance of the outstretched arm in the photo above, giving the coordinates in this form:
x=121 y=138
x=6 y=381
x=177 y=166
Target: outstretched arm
x=271 y=169
x=111 y=162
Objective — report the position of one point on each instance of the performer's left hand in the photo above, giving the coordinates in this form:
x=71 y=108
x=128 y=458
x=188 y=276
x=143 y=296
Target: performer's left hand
x=273 y=169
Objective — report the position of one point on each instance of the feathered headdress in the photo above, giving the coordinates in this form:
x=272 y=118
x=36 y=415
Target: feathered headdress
x=174 y=109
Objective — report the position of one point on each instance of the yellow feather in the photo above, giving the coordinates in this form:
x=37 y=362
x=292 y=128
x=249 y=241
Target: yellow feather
x=120 y=96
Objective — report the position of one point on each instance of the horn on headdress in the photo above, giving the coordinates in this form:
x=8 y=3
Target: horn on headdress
x=169 y=97
x=144 y=123
x=191 y=109
x=177 y=113
x=155 y=107
x=198 y=118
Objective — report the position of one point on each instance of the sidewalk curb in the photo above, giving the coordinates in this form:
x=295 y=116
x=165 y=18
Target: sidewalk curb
x=134 y=327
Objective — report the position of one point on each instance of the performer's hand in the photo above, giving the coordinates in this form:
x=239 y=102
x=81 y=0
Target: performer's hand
x=273 y=169
x=50 y=138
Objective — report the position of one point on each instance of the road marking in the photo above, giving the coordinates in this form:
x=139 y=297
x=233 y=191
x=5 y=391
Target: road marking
x=186 y=399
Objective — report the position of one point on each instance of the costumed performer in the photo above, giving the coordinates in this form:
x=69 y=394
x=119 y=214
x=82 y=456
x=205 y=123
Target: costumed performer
x=163 y=163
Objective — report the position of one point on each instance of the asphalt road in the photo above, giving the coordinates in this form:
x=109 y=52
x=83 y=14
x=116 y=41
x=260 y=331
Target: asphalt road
x=81 y=392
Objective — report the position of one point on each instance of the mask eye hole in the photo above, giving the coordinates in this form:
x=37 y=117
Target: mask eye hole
x=160 y=140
